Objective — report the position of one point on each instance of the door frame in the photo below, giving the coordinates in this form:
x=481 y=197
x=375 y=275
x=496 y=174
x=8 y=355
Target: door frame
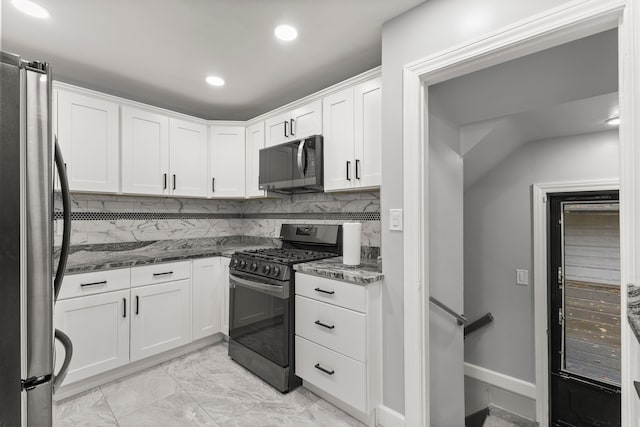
x=539 y=193
x=570 y=21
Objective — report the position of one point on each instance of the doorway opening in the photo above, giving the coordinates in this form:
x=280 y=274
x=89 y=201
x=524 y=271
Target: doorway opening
x=584 y=308
x=493 y=134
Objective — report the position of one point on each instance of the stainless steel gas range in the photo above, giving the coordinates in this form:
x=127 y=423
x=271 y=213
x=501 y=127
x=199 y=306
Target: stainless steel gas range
x=261 y=301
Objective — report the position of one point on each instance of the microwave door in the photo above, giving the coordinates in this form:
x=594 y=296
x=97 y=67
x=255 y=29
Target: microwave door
x=276 y=167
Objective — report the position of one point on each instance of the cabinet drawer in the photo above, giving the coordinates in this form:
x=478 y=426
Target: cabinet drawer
x=160 y=273
x=96 y=282
x=334 y=327
x=347 y=295
x=342 y=377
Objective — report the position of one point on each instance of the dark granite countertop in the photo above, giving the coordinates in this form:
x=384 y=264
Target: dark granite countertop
x=333 y=268
x=634 y=309
x=85 y=258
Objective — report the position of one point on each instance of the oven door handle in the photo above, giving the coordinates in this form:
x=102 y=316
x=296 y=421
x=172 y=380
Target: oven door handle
x=280 y=291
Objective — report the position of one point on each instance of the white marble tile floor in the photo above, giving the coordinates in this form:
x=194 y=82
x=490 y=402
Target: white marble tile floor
x=204 y=388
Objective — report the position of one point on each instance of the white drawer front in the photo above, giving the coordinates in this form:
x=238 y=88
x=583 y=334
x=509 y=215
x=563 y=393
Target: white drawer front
x=77 y=285
x=345 y=378
x=160 y=273
x=347 y=295
x=337 y=328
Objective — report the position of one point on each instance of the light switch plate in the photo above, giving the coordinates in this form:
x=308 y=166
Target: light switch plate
x=395 y=219
x=522 y=277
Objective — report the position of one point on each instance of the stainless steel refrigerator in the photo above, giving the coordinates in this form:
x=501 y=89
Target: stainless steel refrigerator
x=28 y=283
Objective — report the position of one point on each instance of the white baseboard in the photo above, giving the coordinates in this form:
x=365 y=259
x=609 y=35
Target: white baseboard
x=70 y=390
x=514 y=385
x=387 y=417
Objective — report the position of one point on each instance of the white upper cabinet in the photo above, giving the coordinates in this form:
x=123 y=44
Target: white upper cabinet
x=255 y=142
x=188 y=158
x=368 y=133
x=87 y=129
x=338 y=118
x=295 y=124
x=226 y=161
x=306 y=120
x=277 y=129
x=352 y=137
x=145 y=152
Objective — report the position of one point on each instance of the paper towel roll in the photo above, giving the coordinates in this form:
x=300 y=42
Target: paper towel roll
x=351 y=232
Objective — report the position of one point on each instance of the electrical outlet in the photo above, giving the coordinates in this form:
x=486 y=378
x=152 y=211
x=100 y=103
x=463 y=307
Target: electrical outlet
x=522 y=277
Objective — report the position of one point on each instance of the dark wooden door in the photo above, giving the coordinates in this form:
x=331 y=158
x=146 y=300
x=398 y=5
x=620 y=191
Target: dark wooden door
x=584 y=309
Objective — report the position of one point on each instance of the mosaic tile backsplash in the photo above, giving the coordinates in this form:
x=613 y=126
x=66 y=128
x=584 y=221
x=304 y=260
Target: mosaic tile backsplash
x=114 y=219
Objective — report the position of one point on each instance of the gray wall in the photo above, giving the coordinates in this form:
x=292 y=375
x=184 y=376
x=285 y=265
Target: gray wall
x=430 y=27
x=498 y=240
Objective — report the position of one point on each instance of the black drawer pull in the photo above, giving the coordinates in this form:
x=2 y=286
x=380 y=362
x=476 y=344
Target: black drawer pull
x=124 y=309
x=326 y=371
x=104 y=282
x=162 y=274
x=319 y=323
x=137 y=305
x=325 y=292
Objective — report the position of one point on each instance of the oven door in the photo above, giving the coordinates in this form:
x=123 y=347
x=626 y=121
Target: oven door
x=259 y=316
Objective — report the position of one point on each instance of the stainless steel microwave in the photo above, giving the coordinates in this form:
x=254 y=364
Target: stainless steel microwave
x=293 y=167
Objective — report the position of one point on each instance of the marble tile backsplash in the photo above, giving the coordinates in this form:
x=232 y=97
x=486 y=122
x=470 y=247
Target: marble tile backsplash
x=94 y=231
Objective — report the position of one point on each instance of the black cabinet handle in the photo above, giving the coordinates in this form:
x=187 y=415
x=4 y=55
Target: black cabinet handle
x=213 y=185
x=164 y=180
x=291 y=122
x=124 y=307
x=319 y=323
x=104 y=282
x=357 y=169
x=326 y=371
x=325 y=292
x=137 y=305
x=348 y=170
x=174 y=181
x=166 y=273
x=285 y=129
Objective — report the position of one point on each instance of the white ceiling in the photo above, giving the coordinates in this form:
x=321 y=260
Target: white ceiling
x=567 y=90
x=160 y=51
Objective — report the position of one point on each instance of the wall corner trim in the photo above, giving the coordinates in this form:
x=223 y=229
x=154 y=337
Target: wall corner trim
x=512 y=384
x=387 y=417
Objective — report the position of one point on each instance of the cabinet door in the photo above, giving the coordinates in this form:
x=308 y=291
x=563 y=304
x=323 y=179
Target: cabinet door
x=224 y=281
x=206 y=297
x=255 y=142
x=338 y=123
x=306 y=121
x=188 y=158
x=160 y=318
x=226 y=161
x=368 y=133
x=277 y=129
x=88 y=133
x=98 y=326
x=145 y=152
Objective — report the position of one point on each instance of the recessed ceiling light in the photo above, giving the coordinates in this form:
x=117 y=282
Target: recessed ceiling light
x=30 y=8
x=286 y=32
x=215 y=81
x=613 y=121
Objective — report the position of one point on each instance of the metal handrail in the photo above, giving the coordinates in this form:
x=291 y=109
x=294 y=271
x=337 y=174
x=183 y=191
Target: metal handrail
x=460 y=319
x=477 y=324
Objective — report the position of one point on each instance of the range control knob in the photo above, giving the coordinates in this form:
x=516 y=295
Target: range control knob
x=276 y=271
x=254 y=266
x=234 y=262
x=266 y=269
x=243 y=264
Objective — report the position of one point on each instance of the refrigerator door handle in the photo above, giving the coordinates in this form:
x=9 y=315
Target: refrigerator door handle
x=68 y=352
x=66 y=219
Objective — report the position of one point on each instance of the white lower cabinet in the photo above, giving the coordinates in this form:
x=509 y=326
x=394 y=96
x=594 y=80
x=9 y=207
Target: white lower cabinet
x=338 y=340
x=224 y=280
x=206 y=297
x=160 y=318
x=98 y=326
